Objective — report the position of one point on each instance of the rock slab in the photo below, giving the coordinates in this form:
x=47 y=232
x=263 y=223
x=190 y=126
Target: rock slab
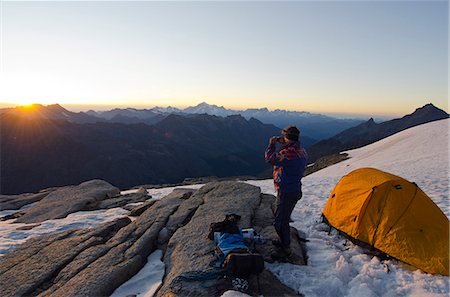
x=63 y=201
x=87 y=262
x=95 y=261
x=12 y=202
x=190 y=252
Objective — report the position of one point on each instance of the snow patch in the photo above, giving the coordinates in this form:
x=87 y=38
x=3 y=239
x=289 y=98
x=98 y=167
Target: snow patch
x=231 y=293
x=147 y=281
x=12 y=234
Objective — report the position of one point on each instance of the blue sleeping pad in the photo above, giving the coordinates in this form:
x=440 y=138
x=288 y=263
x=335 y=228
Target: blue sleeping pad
x=228 y=242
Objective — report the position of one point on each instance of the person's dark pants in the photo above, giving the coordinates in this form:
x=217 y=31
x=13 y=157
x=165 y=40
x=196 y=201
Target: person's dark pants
x=285 y=204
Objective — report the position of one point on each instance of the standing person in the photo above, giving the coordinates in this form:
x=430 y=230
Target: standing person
x=288 y=168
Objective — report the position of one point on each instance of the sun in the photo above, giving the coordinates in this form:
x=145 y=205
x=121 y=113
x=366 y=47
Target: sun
x=24 y=102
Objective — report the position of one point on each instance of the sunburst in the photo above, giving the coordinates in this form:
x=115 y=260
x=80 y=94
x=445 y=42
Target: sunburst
x=24 y=103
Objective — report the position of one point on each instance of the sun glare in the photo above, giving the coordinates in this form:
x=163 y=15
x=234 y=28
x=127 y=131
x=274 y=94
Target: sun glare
x=28 y=106
x=24 y=103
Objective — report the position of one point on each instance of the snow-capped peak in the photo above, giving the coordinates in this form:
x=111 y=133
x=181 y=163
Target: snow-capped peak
x=210 y=109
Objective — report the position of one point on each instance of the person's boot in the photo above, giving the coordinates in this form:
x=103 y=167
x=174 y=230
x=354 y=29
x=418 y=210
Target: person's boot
x=287 y=251
x=277 y=243
x=283 y=254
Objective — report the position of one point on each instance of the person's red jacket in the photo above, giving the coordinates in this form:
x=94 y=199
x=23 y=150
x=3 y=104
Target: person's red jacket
x=288 y=166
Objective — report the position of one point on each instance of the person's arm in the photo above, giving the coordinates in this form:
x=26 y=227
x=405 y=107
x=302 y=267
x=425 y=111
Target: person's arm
x=271 y=155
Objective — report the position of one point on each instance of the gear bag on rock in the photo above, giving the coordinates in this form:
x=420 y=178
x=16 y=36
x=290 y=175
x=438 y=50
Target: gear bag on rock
x=243 y=264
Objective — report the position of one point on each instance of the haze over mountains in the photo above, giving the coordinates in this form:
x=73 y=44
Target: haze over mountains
x=51 y=146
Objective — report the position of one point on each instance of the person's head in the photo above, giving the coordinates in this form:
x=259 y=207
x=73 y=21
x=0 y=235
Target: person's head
x=291 y=133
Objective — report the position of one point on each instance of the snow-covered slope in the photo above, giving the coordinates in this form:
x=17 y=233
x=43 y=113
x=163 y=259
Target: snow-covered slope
x=419 y=154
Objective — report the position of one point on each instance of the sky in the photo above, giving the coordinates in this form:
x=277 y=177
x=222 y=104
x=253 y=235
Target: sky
x=353 y=57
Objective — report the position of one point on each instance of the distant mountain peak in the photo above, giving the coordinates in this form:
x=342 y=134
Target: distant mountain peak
x=205 y=104
x=56 y=107
x=209 y=109
x=429 y=111
x=168 y=109
x=52 y=112
x=428 y=107
x=40 y=107
x=370 y=131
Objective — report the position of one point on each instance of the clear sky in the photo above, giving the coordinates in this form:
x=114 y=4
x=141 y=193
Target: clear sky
x=366 y=57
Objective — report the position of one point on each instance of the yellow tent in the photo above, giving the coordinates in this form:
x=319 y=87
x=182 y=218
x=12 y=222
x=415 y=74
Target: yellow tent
x=392 y=215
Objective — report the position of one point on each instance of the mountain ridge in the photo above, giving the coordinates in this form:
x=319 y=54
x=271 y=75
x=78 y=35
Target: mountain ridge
x=370 y=131
x=38 y=153
x=313 y=125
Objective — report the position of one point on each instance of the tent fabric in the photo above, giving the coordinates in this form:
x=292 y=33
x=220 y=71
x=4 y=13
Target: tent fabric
x=392 y=215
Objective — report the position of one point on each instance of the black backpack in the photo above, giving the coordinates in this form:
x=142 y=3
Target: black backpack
x=229 y=225
x=243 y=265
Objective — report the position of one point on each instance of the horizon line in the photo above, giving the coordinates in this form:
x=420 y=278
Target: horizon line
x=99 y=107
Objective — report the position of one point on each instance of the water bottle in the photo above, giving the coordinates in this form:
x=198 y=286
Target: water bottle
x=248 y=233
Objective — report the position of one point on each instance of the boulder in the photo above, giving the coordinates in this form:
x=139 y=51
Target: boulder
x=141 y=190
x=190 y=253
x=13 y=202
x=63 y=201
x=119 y=201
x=136 y=211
